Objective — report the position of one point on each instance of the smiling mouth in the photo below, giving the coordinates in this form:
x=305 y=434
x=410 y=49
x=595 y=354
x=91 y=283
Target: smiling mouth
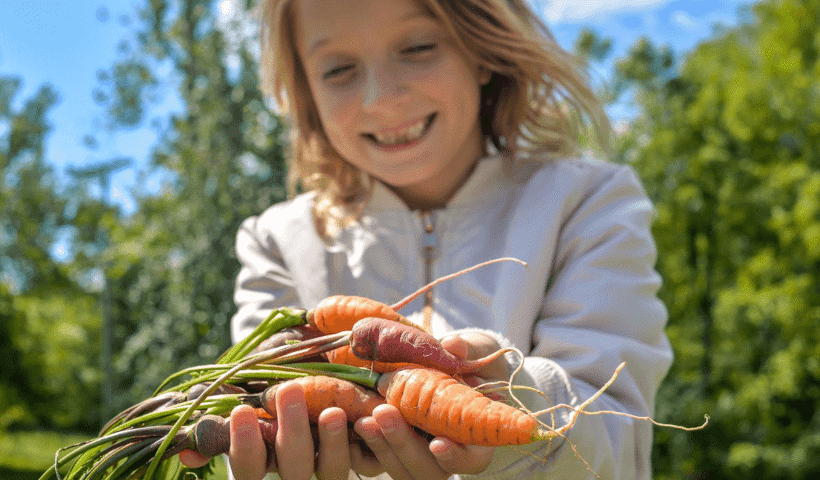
x=406 y=136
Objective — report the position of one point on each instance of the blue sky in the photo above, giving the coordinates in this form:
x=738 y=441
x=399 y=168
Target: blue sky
x=65 y=42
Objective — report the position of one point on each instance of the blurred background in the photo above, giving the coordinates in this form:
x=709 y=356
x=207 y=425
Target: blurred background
x=134 y=140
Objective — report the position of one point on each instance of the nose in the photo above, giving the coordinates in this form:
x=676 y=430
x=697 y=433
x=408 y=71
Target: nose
x=384 y=88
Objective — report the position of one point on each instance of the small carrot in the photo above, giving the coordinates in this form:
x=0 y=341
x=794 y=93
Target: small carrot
x=439 y=404
x=322 y=392
x=210 y=435
x=338 y=313
x=381 y=340
x=345 y=356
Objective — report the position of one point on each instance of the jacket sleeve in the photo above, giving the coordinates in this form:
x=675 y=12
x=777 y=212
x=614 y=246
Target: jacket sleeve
x=600 y=309
x=264 y=281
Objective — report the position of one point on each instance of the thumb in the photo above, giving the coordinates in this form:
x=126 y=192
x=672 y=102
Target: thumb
x=456 y=345
x=193 y=459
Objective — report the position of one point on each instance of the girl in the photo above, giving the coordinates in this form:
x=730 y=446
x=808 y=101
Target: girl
x=431 y=135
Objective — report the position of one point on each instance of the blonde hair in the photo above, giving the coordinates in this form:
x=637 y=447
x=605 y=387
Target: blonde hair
x=538 y=102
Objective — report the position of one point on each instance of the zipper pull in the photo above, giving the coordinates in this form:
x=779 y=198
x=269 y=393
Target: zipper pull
x=429 y=243
x=429 y=246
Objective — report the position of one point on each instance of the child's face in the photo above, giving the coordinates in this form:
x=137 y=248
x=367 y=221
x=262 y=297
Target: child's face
x=395 y=95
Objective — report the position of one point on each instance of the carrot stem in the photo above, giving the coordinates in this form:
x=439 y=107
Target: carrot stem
x=362 y=376
x=220 y=403
x=80 y=448
x=249 y=362
x=339 y=340
x=289 y=371
x=278 y=319
x=134 y=459
x=213 y=370
x=150 y=404
x=122 y=451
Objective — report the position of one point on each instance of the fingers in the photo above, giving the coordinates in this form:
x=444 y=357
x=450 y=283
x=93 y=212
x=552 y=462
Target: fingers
x=456 y=345
x=403 y=454
x=294 y=442
x=334 y=452
x=389 y=462
x=247 y=456
x=463 y=459
x=364 y=462
x=192 y=459
x=474 y=345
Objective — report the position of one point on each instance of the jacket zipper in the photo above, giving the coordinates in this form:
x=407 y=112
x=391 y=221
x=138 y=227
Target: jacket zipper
x=429 y=253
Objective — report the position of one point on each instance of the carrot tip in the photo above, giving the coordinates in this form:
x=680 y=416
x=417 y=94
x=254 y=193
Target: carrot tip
x=544 y=434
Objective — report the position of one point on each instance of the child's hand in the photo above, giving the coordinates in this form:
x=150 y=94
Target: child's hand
x=475 y=345
x=405 y=455
x=248 y=456
x=397 y=448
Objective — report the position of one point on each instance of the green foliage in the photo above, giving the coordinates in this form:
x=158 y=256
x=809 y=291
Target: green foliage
x=60 y=338
x=591 y=46
x=727 y=146
x=33 y=451
x=171 y=266
x=28 y=222
x=47 y=322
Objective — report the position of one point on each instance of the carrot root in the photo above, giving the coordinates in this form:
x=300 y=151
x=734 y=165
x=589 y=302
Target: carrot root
x=380 y=340
x=441 y=405
x=403 y=303
x=345 y=356
x=322 y=392
x=339 y=313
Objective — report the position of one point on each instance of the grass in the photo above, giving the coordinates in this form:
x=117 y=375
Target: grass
x=26 y=455
x=32 y=451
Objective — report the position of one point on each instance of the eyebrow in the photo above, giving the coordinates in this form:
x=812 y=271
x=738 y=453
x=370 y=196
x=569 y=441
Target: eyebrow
x=323 y=41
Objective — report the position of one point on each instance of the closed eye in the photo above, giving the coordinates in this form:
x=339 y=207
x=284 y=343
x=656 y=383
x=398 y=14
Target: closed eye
x=337 y=71
x=420 y=49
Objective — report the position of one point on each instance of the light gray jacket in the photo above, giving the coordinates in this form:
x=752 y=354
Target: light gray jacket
x=586 y=302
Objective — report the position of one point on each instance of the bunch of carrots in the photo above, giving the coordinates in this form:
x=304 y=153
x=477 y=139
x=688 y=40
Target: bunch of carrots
x=337 y=352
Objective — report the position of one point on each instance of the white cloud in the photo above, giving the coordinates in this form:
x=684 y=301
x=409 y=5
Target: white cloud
x=684 y=20
x=556 y=11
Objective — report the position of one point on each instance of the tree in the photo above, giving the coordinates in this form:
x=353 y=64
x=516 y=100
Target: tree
x=727 y=145
x=172 y=265
x=47 y=321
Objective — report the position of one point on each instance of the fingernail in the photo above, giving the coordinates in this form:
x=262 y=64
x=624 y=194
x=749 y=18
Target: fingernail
x=368 y=432
x=440 y=450
x=336 y=427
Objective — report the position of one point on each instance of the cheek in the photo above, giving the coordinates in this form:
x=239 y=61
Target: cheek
x=457 y=87
x=337 y=116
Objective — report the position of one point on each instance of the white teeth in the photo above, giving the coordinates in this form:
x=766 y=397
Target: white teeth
x=397 y=138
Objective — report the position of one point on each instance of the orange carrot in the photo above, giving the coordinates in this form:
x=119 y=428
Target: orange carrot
x=339 y=313
x=438 y=404
x=322 y=392
x=344 y=356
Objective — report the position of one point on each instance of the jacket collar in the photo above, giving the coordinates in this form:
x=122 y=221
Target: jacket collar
x=483 y=184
